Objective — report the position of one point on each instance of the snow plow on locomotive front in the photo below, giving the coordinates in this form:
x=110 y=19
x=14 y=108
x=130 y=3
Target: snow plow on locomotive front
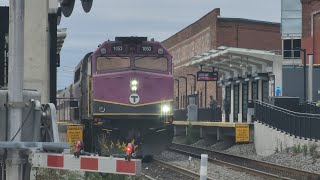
x=129 y=96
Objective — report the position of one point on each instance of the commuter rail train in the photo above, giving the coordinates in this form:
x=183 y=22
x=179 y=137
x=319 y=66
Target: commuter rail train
x=125 y=89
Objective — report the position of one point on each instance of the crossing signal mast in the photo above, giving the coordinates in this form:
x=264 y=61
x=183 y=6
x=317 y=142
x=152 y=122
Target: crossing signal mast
x=32 y=140
x=68 y=5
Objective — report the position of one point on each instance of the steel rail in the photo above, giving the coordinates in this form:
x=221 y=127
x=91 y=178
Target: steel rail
x=144 y=176
x=178 y=169
x=251 y=166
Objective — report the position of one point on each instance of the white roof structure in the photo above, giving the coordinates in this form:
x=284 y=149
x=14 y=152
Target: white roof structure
x=236 y=62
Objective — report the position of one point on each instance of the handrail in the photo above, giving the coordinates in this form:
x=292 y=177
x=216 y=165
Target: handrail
x=303 y=125
x=285 y=110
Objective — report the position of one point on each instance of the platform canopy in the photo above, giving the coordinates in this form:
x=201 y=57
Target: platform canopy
x=61 y=35
x=234 y=62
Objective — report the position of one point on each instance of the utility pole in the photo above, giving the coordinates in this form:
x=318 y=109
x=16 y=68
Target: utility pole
x=14 y=162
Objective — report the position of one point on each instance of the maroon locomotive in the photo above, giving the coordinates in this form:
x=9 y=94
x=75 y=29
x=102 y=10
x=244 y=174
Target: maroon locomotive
x=125 y=88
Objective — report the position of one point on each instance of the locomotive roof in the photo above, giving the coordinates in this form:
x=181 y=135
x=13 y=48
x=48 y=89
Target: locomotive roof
x=131 y=40
x=84 y=58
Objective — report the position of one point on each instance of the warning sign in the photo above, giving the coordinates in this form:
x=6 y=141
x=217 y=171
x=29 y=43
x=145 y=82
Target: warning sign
x=242 y=133
x=74 y=133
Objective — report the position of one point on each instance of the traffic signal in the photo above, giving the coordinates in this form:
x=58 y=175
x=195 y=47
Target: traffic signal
x=68 y=5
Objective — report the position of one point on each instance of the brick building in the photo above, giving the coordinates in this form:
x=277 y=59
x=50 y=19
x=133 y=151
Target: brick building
x=210 y=32
x=301 y=29
x=311 y=28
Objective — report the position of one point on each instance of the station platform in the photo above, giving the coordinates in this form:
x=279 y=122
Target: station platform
x=68 y=123
x=208 y=124
x=219 y=131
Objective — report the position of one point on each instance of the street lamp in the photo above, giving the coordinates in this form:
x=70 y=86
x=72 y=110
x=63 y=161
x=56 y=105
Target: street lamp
x=186 y=88
x=304 y=73
x=178 y=92
x=194 y=82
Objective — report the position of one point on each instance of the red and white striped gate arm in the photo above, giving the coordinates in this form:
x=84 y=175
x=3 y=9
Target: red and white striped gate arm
x=86 y=163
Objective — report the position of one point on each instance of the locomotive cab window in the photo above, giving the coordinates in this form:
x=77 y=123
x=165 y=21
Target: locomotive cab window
x=112 y=63
x=152 y=63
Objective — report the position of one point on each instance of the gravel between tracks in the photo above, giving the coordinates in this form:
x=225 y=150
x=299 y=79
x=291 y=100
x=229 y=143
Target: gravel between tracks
x=286 y=158
x=157 y=172
x=298 y=161
x=214 y=171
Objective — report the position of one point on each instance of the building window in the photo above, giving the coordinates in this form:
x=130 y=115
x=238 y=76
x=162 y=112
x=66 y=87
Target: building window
x=291 y=48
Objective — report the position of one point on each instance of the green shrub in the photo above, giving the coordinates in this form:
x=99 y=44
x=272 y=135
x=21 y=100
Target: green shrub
x=103 y=176
x=296 y=149
x=313 y=149
x=54 y=174
x=305 y=149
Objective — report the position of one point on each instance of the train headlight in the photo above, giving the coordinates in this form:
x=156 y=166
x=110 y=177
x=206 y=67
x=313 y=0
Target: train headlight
x=134 y=85
x=134 y=82
x=134 y=88
x=165 y=109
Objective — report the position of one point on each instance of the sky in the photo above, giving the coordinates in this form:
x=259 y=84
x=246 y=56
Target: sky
x=153 y=19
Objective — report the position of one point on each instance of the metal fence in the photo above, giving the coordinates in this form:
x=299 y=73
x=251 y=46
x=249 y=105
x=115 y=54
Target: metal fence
x=304 y=125
x=309 y=107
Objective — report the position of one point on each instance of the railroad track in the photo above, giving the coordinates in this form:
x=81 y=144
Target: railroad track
x=146 y=177
x=254 y=167
x=176 y=169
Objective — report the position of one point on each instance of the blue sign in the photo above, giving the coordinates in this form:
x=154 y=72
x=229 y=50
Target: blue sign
x=278 y=91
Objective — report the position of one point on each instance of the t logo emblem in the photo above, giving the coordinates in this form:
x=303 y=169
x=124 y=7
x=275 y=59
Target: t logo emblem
x=134 y=98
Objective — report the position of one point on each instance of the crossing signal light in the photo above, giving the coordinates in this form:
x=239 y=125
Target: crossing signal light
x=86 y=5
x=67 y=6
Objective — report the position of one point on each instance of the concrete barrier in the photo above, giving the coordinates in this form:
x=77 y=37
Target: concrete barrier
x=268 y=140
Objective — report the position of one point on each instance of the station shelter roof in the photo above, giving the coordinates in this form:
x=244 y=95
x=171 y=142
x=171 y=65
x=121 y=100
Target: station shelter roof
x=234 y=62
x=61 y=36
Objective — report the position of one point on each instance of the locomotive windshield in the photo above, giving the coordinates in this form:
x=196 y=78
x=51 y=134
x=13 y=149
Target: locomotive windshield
x=112 y=63
x=152 y=63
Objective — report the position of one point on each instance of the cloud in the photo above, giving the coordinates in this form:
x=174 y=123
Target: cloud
x=154 y=19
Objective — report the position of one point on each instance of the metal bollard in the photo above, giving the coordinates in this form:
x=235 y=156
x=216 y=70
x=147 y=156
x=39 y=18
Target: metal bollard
x=204 y=166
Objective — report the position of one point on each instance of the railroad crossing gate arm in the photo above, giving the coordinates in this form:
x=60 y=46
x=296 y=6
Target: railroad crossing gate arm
x=86 y=163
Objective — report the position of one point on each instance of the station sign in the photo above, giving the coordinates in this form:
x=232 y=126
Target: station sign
x=207 y=76
x=242 y=133
x=74 y=133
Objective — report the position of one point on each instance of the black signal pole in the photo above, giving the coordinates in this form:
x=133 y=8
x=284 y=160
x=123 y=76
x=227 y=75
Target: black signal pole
x=186 y=90
x=194 y=82
x=178 y=92
x=304 y=73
